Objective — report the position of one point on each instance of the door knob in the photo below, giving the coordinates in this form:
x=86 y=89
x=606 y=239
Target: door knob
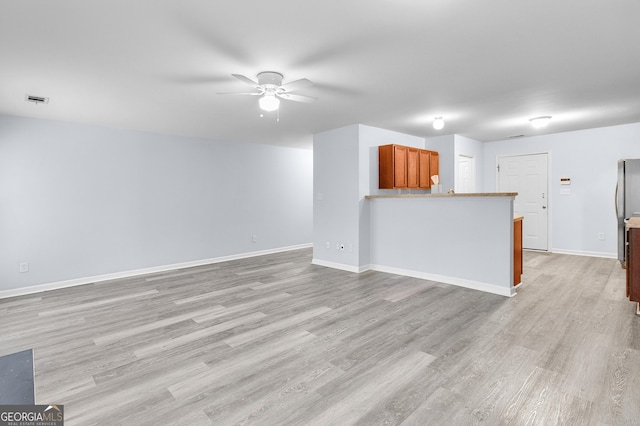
x=544 y=207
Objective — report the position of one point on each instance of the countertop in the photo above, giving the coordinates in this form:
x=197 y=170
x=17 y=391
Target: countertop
x=633 y=222
x=474 y=194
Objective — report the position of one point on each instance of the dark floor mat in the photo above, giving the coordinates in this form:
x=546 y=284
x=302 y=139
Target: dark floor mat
x=16 y=379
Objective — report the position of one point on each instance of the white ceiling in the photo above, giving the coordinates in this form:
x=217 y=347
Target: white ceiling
x=486 y=66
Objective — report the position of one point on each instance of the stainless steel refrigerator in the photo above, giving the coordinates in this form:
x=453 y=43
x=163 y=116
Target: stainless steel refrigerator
x=627 y=199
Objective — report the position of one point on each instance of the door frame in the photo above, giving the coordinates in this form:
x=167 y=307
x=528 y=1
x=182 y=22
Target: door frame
x=549 y=198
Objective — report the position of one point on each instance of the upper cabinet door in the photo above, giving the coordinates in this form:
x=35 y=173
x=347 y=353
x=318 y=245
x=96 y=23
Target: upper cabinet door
x=385 y=167
x=434 y=164
x=413 y=167
x=392 y=166
x=400 y=166
x=424 y=161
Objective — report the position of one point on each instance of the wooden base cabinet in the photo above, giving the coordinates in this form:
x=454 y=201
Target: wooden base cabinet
x=517 y=250
x=632 y=255
x=633 y=264
x=403 y=167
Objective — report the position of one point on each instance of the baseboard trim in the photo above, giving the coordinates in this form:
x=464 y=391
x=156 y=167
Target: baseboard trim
x=341 y=266
x=585 y=253
x=474 y=285
x=460 y=282
x=133 y=273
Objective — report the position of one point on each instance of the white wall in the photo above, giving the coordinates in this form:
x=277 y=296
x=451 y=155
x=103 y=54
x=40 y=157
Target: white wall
x=466 y=241
x=416 y=237
x=345 y=171
x=82 y=201
x=335 y=206
x=370 y=138
x=445 y=145
x=589 y=158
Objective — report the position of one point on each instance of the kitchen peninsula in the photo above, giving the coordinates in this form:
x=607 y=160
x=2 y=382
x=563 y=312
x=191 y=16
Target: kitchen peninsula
x=461 y=239
x=361 y=223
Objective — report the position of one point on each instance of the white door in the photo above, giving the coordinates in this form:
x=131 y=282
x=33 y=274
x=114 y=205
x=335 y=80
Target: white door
x=527 y=175
x=466 y=181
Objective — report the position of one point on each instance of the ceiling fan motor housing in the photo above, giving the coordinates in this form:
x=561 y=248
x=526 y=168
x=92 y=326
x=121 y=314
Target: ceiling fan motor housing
x=270 y=86
x=270 y=79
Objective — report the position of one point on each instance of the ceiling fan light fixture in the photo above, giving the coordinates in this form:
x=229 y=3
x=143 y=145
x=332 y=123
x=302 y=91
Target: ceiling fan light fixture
x=438 y=123
x=269 y=102
x=540 y=122
x=270 y=90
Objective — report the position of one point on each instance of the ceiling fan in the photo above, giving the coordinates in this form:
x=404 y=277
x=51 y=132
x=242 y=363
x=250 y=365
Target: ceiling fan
x=269 y=87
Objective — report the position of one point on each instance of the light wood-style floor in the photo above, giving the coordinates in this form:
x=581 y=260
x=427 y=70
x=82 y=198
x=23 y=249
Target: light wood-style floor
x=274 y=340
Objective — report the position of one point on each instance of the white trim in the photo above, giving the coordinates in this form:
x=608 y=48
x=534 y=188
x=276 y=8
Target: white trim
x=585 y=253
x=341 y=266
x=474 y=285
x=460 y=282
x=126 y=274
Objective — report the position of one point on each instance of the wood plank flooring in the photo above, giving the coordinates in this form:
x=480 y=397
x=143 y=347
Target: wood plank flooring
x=274 y=340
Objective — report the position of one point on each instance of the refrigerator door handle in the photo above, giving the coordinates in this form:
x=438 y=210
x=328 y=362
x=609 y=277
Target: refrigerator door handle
x=620 y=193
x=617 y=211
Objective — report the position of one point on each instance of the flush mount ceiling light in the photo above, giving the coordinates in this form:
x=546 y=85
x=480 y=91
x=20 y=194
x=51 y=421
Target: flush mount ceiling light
x=438 y=123
x=269 y=102
x=539 y=122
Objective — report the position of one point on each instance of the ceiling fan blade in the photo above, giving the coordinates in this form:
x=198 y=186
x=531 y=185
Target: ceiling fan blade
x=246 y=80
x=240 y=93
x=296 y=85
x=297 y=98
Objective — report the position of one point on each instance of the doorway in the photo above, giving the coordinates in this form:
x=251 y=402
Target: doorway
x=528 y=176
x=466 y=181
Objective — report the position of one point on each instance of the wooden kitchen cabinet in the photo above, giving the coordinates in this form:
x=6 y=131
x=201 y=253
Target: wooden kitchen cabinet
x=633 y=264
x=403 y=167
x=424 y=165
x=434 y=163
x=632 y=255
x=392 y=170
x=517 y=250
x=412 y=167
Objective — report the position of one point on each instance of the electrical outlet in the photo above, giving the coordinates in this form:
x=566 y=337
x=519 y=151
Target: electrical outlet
x=341 y=247
x=328 y=245
x=337 y=246
x=601 y=236
x=254 y=238
x=350 y=248
x=24 y=267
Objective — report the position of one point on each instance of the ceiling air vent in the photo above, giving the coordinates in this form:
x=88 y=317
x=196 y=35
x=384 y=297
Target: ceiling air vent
x=516 y=136
x=36 y=99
